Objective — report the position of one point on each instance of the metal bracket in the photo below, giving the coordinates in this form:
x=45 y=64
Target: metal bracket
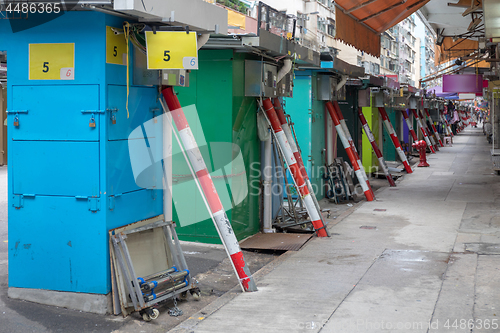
x=18 y=201
x=93 y=111
x=16 y=111
x=94 y=204
x=111 y=201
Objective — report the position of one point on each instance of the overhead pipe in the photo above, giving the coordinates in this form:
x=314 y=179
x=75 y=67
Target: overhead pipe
x=287 y=67
x=202 y=40
x=342 y=82
x=217 y=211
x=350 y=153
x=313 y=213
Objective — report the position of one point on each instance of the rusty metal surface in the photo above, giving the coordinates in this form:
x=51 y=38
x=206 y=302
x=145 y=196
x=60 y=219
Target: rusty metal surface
x=283 y=242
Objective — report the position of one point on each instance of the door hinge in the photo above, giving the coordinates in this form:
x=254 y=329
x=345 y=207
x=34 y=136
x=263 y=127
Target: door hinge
x=111 y=201
x=94 y=204
x=19 y=200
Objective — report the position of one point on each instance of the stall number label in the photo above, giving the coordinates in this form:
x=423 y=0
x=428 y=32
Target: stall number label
x=52 y=61
x=116 y=46
x=172 y=50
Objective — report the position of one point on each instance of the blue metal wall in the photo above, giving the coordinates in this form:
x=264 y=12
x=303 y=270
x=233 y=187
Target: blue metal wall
x=70 y=183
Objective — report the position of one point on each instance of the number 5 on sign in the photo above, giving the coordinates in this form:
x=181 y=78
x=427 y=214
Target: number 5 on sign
x=172 y=50
x=52 y=61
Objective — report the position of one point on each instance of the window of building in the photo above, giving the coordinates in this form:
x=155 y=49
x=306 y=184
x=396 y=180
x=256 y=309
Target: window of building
x=321 y=24
x=331 y=27
x=360 y=61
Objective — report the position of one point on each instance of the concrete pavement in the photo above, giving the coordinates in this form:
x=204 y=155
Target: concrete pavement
x=423 y=257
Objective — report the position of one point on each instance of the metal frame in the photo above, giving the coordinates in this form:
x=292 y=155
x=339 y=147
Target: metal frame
x=127 y=268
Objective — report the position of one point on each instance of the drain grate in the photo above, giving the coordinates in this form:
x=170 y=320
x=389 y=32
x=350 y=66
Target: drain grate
x=379 y=210
x=367 y=227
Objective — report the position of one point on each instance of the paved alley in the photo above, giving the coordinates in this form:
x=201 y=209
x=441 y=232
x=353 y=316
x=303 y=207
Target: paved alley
x=423 y=257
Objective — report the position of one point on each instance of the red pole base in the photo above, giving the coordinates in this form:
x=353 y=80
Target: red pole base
x=420 y=146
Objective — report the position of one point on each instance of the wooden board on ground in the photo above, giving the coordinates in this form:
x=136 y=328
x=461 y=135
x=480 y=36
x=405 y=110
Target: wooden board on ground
x=282 y=242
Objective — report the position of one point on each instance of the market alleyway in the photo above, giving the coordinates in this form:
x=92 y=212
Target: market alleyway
x=423 y=257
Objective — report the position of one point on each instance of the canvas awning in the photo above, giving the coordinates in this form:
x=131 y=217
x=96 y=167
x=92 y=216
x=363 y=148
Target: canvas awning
x=360 y=22
x=450 y=50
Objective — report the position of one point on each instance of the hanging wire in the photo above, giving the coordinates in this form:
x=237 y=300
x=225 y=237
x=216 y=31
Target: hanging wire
x=126 y=31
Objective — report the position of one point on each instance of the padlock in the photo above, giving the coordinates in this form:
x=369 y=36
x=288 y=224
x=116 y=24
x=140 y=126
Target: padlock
x=16 y=121
x=92 y=122
x=113 y=119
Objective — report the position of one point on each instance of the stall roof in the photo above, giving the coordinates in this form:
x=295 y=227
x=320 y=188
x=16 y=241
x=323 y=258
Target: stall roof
x=360 y=22
x=342 y=67
x=267 y=44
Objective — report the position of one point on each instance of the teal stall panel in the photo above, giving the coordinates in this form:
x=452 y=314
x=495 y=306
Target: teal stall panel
x=142 y=107
x=56 y=243
x=55 y=168
x=61 y=119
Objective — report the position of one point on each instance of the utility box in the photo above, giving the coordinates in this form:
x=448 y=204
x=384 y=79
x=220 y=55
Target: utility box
x=326 y=88
x=70 y=173
x=400 y=102
x=380 y=98
x=413 y=103
x=364 y=98
x=260 y=79
x=150 y=77
x=285 y=86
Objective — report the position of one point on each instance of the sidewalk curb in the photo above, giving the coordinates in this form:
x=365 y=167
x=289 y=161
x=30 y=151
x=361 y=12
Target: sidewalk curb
x=188 y=325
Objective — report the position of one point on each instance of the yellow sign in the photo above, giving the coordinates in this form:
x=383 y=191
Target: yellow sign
x=116 y=46
x=172 y=50
x=52 y=61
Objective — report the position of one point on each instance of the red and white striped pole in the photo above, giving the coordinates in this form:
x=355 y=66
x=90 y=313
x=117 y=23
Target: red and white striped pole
x=208 y=188
x=434 y=128
x=284 y=125
x=448 y=128
x=395 y=140
x=296 y=153
x=336 y=109
x=380 y=157
x=350 y=153
x=409 y=124
x=294 y=169
x=433 y=142
x=422 y=129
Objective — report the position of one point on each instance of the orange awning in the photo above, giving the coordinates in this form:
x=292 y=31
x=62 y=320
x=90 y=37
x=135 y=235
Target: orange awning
x=450 y=50
x=360 y=22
